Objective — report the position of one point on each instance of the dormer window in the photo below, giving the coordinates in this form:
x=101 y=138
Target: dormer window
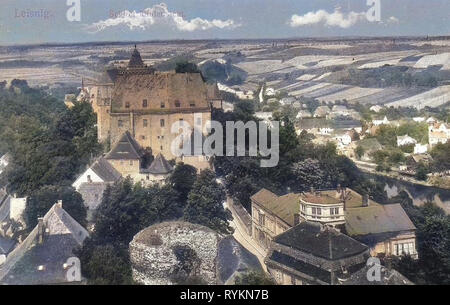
x=127 y=105
x=163 y=105
x=177 y=104
x=144 y=104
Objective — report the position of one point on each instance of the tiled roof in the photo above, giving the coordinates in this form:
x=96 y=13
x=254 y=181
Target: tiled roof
x=303 y=267
x=282 y=206
x=177 y=91
x=105 y=171
x=387 y=277
x=320 y=241
x=377 y=219
x=62 y=235
x=126 y=149
x=159 y=166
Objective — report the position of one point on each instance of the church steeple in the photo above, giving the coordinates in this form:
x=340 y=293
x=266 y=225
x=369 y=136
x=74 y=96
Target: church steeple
x=135 y=60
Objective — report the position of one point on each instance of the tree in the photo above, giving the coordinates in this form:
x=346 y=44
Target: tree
x=253 y=278
x=359 y=151
x=40 y=202
x=182 y=179
x=309 y=174
x=186 y=67
x=126 y=209
x=105 y=264
x=421 y=171
x=205 y=204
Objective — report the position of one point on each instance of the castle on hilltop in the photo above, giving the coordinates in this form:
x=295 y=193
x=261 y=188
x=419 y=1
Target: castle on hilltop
x=145 y=103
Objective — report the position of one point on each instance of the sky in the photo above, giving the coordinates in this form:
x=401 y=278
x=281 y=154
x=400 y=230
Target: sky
x=64 y=21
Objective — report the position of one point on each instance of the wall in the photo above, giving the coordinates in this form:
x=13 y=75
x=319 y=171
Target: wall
x=153 y=264
x=84 y=178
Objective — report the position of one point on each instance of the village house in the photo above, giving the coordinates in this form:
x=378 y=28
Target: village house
x=438 y=133
x=311 y=253
x=376 y=108
x=356 y=215
x=303 y=114
x=322 y=111
x=92 y=183
x=47 y=256
x=386 y=229
x=146 y=103
x=420 y=148
x=405 y=140
x=384 y=121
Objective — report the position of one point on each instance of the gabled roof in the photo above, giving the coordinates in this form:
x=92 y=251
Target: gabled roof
x=320 y=241
x=285 y=207
x=105 y=171
x=377 y=219
x=61 y=235
x=387 y=277
x=159 y=166
x=126 y=149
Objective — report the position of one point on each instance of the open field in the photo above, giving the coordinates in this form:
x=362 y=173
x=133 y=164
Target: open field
x=321 y=69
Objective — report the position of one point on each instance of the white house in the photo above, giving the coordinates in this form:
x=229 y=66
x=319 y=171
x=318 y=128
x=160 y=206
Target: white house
x=431 y=120
x=303 y=114
x=405 y=140
x=265 y=116
x=376 y=108
x=287 y=100
x=270 y=91
x=344 y=139
x=384 y=121
x=92 y=183
x=420 y=148
x=325 y=131
x=419 y=119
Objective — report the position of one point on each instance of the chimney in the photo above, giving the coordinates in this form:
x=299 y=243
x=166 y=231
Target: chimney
x=312 y=190
x=296 y=219
x=40 y=230
x=59 y=203
x=365 y=200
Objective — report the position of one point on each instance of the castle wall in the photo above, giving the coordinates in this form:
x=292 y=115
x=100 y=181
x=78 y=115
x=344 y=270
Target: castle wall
x=148 y=131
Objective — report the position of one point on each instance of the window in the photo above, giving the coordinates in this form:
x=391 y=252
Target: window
x=177 y=104
x=334 y=211
x=144 y=103
x=192 y=104
x=319 y=211
x=161 y=122
x=163 y=105
x=131 y=162
x=143 y=137
x=313 y=211
x=262 y=219
x=127 y=105
x=181 y=120
x=303 y=207
x=120 y=123
x=161 y=147
x=405 y=248
x=145 y=122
